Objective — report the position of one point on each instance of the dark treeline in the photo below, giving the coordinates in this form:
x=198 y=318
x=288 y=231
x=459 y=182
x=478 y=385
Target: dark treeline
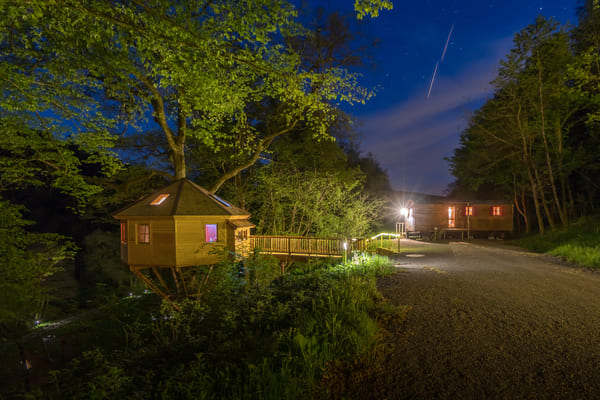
x=537 y=140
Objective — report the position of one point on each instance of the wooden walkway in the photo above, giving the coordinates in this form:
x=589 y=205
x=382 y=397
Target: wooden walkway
x=301 y=246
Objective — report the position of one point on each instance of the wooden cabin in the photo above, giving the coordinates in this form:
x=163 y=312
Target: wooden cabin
x=481 y=216
x=181 y=225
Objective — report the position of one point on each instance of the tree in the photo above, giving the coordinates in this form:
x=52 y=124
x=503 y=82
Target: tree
x=525 y=132
x=313 y=203
x=371 y=7
x=198 y=68
x=26 y=261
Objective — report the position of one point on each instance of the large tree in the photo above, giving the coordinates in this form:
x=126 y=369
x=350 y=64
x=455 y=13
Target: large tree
x=200 y=69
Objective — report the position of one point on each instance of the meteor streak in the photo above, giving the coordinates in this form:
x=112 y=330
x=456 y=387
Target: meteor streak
x=447 y=41
x=437 y=64
x=433 y=78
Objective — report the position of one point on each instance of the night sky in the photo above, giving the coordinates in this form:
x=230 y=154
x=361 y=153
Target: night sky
x=409 y=133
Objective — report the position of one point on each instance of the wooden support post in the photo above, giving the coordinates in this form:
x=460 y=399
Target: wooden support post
x=175 y=279
x=160 y=278
x=149 y=283
x=179 y=270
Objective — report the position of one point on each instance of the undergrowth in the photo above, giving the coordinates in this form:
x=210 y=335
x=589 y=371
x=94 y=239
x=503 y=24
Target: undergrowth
x=578 y=243
x=249 y=334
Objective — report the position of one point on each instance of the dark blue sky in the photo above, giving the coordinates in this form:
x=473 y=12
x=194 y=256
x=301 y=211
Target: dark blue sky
x=408 y=133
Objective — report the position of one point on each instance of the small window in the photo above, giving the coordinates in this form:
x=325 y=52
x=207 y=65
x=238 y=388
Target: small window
x=469 y=211
x=451 y=212
x=210 y=233
x=497 y=210
x=124 y=232
x=158 y=200
x=143 y=233
x=451 y=217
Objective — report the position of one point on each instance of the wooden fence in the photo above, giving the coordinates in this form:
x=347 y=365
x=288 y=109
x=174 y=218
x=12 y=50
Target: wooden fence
x=317 y=247
x=298 y=246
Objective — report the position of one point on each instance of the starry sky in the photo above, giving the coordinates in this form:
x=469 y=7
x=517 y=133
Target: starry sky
x=408 y=132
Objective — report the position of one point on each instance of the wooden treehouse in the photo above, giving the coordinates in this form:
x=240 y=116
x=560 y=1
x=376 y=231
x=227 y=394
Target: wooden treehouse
x=183 y=225
x=179 y=226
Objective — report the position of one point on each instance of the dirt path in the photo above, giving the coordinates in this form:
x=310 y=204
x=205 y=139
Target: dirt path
x=488 y=322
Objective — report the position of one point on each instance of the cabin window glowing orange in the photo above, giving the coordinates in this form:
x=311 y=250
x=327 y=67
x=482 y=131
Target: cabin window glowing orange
x=159 y=199
x=451 y=212
x=210 y=233
x=496 y=210
x=124 y=232
x=143 y=233
x=469 y=211
x=451 y=217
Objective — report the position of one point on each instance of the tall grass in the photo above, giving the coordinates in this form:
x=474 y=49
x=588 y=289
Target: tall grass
x=581 y=255
x=250 y=335
x=578 y=243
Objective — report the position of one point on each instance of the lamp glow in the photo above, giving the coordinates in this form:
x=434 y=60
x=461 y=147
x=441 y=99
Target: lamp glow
x=404 y=211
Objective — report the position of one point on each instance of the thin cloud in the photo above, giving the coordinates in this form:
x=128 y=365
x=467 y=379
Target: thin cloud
x=411 y=139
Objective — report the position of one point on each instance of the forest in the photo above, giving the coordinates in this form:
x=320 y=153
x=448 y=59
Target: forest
x=536 y=140
x=104 y=102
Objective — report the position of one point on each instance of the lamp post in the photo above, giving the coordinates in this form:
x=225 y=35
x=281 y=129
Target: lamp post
x=404 y=214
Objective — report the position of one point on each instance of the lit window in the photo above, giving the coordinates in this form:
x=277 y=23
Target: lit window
x=451 y=217
x=469 y=211
x=124 y=232
x=143 y=233
x=211 y=233
x=159 y=199
x=451 y=212
x=496 y=210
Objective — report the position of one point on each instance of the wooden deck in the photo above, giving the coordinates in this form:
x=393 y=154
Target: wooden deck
x=299 y=246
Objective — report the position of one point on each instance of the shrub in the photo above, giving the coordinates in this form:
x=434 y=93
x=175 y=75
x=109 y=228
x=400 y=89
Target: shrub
x=248 y=334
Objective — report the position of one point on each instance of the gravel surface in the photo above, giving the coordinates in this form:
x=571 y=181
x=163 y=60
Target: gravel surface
x=489 y=322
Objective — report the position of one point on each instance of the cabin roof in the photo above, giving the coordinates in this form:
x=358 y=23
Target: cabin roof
x=241 y=223
x=183 y=197
x=465 y=202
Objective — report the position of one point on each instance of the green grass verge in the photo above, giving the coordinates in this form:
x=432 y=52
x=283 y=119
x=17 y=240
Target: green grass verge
x=578 y=243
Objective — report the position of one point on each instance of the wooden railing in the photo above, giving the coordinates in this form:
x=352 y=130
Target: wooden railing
x=298 y=245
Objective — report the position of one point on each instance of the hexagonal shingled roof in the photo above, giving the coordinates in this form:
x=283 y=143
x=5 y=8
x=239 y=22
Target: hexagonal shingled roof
x=182 y=197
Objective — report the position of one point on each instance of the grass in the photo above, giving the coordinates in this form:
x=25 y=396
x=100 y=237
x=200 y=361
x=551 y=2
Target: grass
x=579 y=243
x=251 y=335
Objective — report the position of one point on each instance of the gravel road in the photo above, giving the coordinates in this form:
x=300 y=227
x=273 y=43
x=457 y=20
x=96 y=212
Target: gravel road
x=490 y=322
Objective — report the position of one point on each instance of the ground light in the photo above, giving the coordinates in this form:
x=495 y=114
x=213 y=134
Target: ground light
x=345 y=252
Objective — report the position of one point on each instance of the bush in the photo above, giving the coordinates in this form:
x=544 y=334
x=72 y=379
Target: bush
x=249 y=334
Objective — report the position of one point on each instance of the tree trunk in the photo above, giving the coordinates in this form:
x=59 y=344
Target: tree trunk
x=178 y=159
x=548 y=157
x=543 y=200
x=520 y=209
x=536 y=202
